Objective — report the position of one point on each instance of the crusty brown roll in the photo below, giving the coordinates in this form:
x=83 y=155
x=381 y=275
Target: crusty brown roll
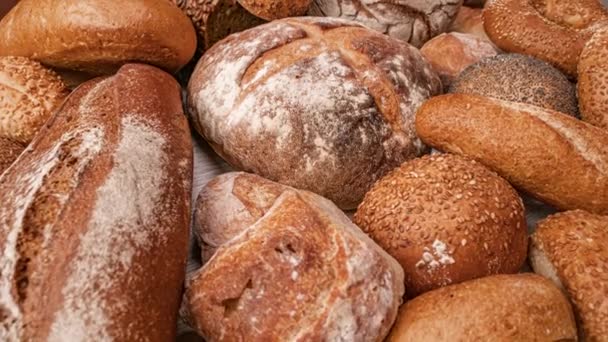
x=519 y=307
x=413 y=21
x=95 y=214
x=214 y=20
x=9 y=151
x=451 y=53
x=228 y=205
x=320 y=104
x=302 y=271
x=570 y=249
x=446 y=219
x=98 y=36
x=552 y=156
x=469 y=20
x=29 y=94
x=593 y=80
x=519 y=26
x=519 y=78
x=276 y=9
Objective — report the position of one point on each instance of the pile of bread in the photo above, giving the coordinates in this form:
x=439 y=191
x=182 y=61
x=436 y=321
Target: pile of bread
x=387 y=157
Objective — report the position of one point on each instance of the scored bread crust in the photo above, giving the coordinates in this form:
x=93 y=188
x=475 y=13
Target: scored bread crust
x=276 y=9
x=552 y=156
x=305 y=272
x=29 y=94
x=94 y=216
x=518 y=307
x=518 y=26
x=574 y=242
x=98 y=36
x=593 y=80
x=9 y=151
x=320 y=104
x=413 y=21
x=446 y=219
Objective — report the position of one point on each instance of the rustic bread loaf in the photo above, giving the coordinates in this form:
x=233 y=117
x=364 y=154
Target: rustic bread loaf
x=214 y=20
x=319 y=104
x=519 y=78
x=446 y=219
x=228 y=205
x=301 y=272
x=9 y=151
x=29 y=94
x=414 y=21
x=469 y=20
x=554 y=157
x=570 y=249
x=593 y=80
x=98 y=36
x=519 y=307
x=95 y=214
x=520 y=26
x=276 y=9
x=450 y=53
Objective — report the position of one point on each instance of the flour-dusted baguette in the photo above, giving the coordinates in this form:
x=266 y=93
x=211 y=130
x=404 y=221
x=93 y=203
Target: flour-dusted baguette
x=556 y=158
x=94 y=216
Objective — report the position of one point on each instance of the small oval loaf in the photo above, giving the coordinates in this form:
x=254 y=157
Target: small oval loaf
x=518 y=307
x=94 y=216
x=593 y=80
x=29 y=94
x=553 y=156
x=300 y=272
x=9 y=151
x=570 y=249
x=98 y=36
x=320 y=104
x=446 y=219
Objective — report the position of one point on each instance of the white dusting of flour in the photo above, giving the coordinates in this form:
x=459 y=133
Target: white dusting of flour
x=436 y=256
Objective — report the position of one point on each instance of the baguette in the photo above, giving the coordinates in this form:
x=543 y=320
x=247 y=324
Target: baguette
x=554 y=157
x=94 y=216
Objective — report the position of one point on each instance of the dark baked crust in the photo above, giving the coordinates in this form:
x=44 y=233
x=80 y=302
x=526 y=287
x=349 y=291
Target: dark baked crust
x=276 y=9
x=95 y=214
x=319 y=104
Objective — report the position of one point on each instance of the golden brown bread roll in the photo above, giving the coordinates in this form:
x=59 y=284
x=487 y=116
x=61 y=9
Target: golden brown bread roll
x=446 y=219
x=29 y=94
x=469 y=20
x=320 y=104
x=518 y=307
x=553 y=156
x=276 y=9
x=302 y=271
x=593 y=80
x=570 y=249
x=98 y=36
x=9 y=151
x=95 y=214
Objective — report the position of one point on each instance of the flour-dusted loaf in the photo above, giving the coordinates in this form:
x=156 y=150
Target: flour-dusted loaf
x=593 y=80
x=301 y=272
x=94 y=216
x=29 y=94
x=9 y=151
x=517 y=307
x=414 y=21
x=446 y=219
x=98 y=36
x=320 y=104
x=550 y=155
x=216 y=19
x=570 y=249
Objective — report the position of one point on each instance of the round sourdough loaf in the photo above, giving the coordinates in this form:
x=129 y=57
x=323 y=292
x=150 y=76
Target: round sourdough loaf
x=446 y=219
x=320 y=104
x=98 y=36
x=214 y=20
x=302 y=271
x=29 y=94
x=519 y=78
x=276 y=9
x=570 y=249
x=414 y=21
x=518 y=307
x=593 y=80
x=9 y=151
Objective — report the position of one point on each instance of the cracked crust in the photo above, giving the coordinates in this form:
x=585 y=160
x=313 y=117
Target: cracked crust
x=412 y=21
x=316 y=103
